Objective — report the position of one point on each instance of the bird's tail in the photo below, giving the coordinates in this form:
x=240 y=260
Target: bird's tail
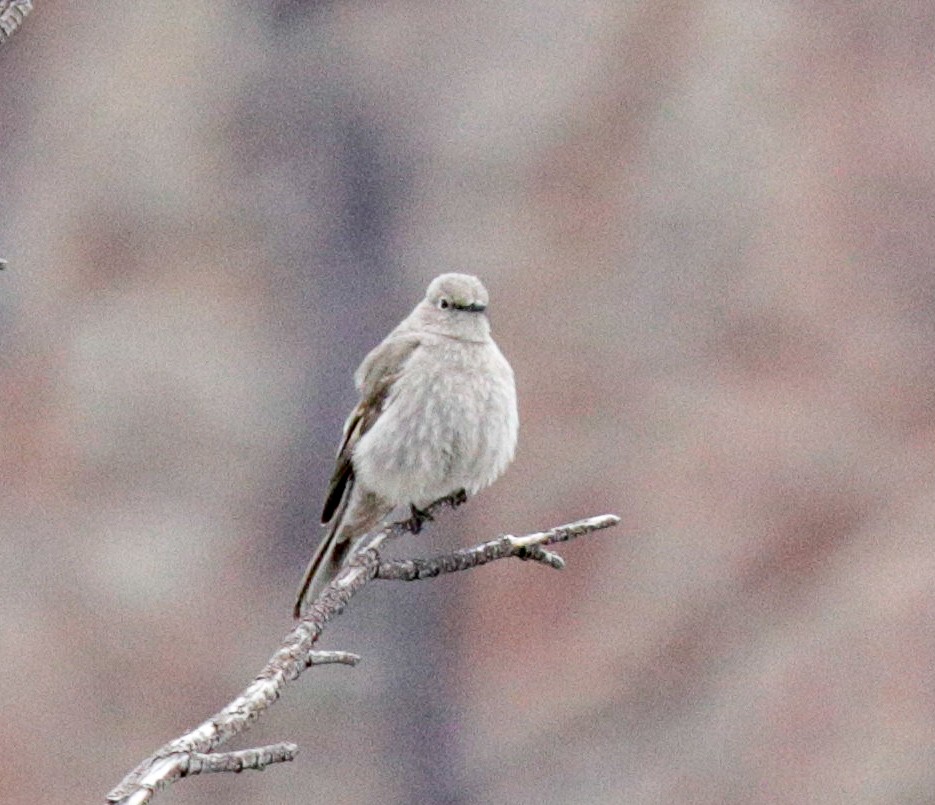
x=327 y=560
x=356 y=514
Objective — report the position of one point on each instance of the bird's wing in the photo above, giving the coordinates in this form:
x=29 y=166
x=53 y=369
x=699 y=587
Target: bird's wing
x=375 y=377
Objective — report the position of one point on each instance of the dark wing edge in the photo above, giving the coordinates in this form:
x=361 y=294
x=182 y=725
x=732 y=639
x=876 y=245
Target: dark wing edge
x=385 y=365
x=343 y=476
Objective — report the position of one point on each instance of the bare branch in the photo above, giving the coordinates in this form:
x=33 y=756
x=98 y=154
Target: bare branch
x=257 y=759
x=178 y=766
x=12 y=14
x=329 y=657
x=530 y=547
x=193 y=753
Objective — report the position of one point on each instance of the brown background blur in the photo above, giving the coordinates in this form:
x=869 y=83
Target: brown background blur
x=708 y=229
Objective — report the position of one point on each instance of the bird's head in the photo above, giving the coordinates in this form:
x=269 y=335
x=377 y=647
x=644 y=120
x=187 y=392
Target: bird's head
x=455 y=305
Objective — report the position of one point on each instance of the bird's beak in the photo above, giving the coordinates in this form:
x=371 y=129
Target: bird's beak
x=475 y=307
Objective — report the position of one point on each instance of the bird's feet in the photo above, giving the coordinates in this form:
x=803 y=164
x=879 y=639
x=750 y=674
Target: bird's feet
x=418 y=519
x=455 y=499
x=422 y=516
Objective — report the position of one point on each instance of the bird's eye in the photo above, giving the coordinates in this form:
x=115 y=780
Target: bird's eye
x=444 y=303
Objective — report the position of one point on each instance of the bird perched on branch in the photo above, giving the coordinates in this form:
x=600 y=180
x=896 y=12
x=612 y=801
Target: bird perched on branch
x=436 y=419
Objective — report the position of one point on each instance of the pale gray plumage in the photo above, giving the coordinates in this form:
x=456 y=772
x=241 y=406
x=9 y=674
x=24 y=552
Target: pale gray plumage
x=437 y=415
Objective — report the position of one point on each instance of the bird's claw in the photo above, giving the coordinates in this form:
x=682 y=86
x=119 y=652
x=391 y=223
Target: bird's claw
x=419 y=518
x=422 y=516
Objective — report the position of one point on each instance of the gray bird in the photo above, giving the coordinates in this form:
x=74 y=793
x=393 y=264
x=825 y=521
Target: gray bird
x=437 y=418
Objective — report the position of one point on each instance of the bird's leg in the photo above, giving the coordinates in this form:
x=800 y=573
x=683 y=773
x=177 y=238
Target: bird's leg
x=455 y=499
x=419 y=518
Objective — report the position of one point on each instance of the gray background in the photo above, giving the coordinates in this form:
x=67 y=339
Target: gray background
x=707 y=229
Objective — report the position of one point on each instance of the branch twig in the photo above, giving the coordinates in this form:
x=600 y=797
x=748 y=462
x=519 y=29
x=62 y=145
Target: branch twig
x=12 y=14
x=193 y=753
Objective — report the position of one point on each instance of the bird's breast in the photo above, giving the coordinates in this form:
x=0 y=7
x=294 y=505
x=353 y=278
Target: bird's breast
x=449 y=423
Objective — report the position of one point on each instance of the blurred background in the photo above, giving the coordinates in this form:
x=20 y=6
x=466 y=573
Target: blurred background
x=707 y=230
